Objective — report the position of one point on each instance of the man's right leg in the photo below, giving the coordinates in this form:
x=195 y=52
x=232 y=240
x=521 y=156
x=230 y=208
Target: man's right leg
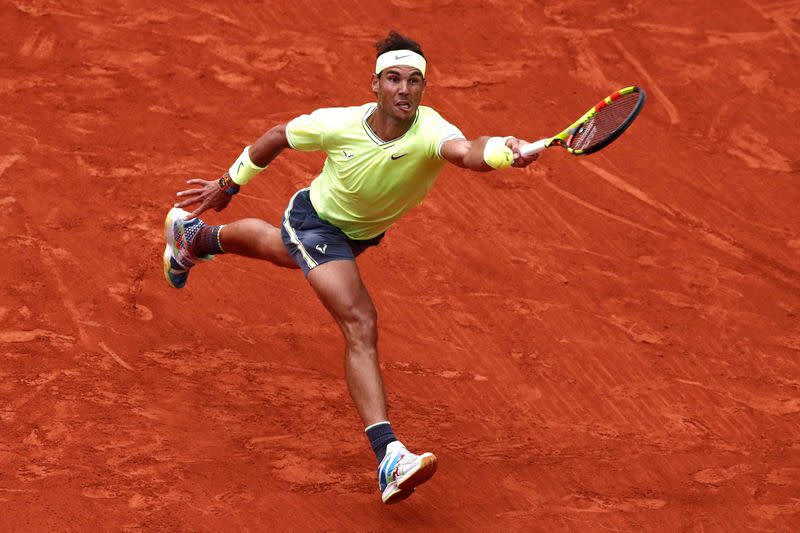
x=193 y=240
x=256 y=238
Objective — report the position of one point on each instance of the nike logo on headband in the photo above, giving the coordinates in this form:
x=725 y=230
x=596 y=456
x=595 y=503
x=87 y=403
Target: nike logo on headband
x=401 y=57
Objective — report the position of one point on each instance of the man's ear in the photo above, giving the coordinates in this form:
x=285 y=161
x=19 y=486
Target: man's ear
x=375 y=81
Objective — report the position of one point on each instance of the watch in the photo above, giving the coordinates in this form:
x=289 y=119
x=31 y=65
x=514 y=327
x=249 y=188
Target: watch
x=227 y=185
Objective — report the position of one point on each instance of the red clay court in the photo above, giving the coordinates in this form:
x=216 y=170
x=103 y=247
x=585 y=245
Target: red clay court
x=606 y=343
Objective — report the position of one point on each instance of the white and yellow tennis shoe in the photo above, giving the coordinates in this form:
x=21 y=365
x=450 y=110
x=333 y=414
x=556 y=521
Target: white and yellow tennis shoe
x=401 y=472
x=178 y=258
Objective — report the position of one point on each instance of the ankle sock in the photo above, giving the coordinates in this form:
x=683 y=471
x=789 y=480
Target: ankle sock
x=380 y=435
x=207 y=242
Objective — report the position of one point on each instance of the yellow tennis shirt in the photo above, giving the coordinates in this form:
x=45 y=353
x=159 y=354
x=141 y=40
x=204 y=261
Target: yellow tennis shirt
x=368 y=183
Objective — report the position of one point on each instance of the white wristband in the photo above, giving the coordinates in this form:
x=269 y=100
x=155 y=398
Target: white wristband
x=496 y=154
x=243 y=169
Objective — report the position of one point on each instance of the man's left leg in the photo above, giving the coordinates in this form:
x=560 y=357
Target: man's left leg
x=340 y=288
x=338 y=285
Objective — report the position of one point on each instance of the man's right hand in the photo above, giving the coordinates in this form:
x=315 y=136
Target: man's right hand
x=208 y=196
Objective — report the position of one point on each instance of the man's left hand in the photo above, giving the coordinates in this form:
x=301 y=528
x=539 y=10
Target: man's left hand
x=520 y=161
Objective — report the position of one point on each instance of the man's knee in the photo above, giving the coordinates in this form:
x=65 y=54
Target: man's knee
x=360 y=325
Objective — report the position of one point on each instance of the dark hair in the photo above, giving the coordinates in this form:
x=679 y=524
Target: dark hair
x=395 y=41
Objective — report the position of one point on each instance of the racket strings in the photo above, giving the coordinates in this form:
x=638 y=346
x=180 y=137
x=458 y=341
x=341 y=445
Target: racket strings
x=605 y=122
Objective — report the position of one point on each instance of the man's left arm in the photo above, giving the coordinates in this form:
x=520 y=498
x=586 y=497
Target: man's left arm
x=475 y=153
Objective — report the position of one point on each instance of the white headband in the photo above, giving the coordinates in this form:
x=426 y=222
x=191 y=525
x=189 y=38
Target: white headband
x=405 y=58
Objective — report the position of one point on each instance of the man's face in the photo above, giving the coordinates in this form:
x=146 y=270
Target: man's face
x=399 y=91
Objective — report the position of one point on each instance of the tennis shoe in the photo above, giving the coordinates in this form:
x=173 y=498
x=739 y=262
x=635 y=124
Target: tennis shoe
x=401 y=472
x=178 y=256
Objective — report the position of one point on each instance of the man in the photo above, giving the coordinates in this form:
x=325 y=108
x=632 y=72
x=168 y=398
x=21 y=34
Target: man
x=382 y=158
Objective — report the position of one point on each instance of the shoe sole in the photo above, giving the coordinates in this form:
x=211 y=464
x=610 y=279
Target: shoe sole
x=169 y=237
x=400 y=490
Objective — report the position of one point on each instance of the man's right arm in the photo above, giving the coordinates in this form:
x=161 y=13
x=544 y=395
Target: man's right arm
x=217 y=194
x=269 y=145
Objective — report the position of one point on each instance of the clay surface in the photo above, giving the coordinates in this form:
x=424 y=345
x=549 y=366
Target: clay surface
x=606 y=343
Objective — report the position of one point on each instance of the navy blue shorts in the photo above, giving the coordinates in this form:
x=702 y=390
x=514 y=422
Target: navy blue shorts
x=312 y=241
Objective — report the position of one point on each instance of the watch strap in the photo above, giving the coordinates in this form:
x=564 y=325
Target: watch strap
x=227 y=185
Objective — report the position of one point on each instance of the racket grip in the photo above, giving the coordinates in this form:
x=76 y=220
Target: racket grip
x=533 y=148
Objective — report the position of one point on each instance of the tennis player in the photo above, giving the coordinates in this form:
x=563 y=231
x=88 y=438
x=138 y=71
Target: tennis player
x=382 y=157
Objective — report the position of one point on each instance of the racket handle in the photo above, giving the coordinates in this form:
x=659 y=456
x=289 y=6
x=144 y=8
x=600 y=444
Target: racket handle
x=534 y=147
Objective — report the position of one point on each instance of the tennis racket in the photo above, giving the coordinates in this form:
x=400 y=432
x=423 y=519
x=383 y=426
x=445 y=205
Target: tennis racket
x=598 y=127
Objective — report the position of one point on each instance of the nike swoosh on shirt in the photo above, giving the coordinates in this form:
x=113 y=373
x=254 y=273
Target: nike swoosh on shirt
x=395 y=156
